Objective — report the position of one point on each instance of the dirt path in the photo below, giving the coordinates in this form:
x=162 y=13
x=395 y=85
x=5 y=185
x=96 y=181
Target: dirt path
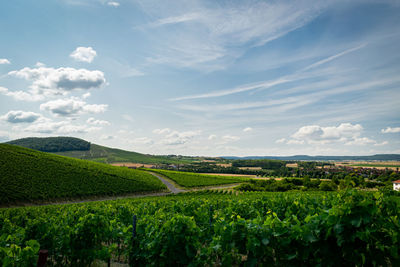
x=174 y=189
x=216 y=187
x=170 y=186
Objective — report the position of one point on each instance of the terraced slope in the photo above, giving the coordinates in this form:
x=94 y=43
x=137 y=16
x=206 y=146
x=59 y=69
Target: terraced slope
x=28 y=175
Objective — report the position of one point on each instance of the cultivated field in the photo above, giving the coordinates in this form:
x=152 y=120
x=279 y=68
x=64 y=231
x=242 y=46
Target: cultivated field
x=291 y=165
x=132 y=165
x=380 y=165
x=232 y=175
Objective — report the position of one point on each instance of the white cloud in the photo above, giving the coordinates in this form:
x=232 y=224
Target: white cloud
x=230 y=138
x=123 y=68
x=45 y=127
x=21 y=95
x=344 y=130
x=360 y=141
x=51 y=81
x=68 y=128
x=346 y=133
x=326 y=60
x=384 y=143
x=391 y=130
x=106 y=137
x=162 y=131
x=128 y=71
x=4 y=136
x=4 y=61
x=83 y=54
x=239 y=89
x=93 y=121
x=86 y=95
x=19 y=116
x=113 y=3
x=62 y=127
x=142 y=141
x=308 y=132
x=280 y=141
x=128 y=117
x=262 y=85
x=247 y=129
x=178 y=138
x=212 y=137
x=176 y=19
x=295 y=142
x=71 y=107
x=40 y=64
x=212 y=36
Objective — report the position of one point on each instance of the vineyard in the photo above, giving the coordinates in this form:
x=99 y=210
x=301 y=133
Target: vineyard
x=213 y=229
x=28 y=175
x=190 y=179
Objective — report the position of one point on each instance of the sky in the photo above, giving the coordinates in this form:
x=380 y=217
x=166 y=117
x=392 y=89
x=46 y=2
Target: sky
x=207 y=78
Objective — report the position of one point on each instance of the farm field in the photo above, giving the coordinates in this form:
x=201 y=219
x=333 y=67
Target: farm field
x=231 y=175
x=188 y=179
x=377 y=166
x=28 y=176
x=391 y=165
x=132 y=165
x=209 y=228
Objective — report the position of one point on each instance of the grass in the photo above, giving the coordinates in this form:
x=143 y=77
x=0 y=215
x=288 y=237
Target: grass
x=189 y=179
x=28 y=175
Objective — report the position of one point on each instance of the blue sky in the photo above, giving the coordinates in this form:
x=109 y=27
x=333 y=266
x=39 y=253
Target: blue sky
x=204 y=77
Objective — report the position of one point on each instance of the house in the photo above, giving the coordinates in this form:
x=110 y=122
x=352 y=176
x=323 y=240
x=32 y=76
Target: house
x=396 y=185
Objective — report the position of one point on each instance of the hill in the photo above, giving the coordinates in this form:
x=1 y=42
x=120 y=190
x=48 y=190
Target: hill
x=28 y=175
x=81 y=149
x=52 y=144
x=378 y=157
x=111 y=155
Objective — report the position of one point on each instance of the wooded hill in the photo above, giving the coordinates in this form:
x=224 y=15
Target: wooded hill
x=81 y=149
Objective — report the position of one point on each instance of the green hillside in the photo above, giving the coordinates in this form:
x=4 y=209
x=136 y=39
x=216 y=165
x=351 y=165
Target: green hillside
x=29 y=175
x=81 y=149
x=110 y=155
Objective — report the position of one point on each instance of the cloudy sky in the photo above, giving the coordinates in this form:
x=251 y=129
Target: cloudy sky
x=204 y=77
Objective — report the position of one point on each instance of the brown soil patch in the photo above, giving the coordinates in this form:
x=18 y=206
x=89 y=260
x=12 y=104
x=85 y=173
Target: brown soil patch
x=133 y=165
x=230 y=174
x=225 y=165
x=292 y=165
x=250 y=168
